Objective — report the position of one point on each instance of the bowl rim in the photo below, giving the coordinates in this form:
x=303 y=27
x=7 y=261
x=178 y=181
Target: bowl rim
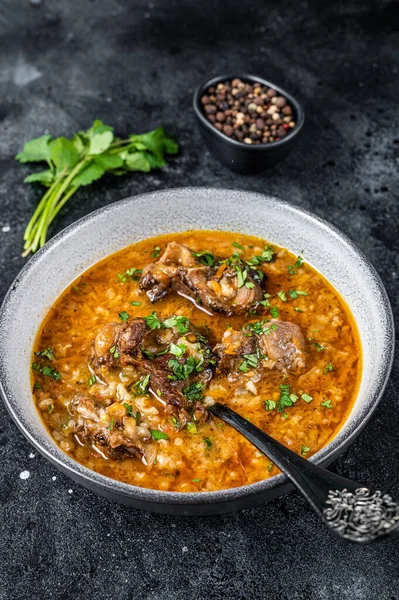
x=235 y=143
x=153 y=496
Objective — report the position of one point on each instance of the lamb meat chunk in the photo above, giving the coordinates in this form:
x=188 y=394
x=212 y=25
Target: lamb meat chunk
x=171 y=351
x=232 y=349
x=284 y=346
x=114 y=438
x=272 y=344
x=225 y=288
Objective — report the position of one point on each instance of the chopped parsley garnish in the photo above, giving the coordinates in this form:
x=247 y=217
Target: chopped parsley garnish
x=181 y=323
x=270 y=404
x=266 y=256
x=153 y=321
x=249 y=285
x=114 y=352
x=298 y=310
x=237 y=245
x=206 y=258
x=130 y=412
x=177 y=349
x=121 y=277
x=242 y=274
x=37 y=386
x=50 y=408
x=196 y=480
x=295 y=293
x=91 y=381
x=251 y=361
x=266 y=301
x=282 y=295
x=124 y=316
x=328 y=368
x=135 y=303
x=133 y=273
x=286 y=399
x=307 y=398
x=270 y=467
x=47 y=353
x=159 y=435
x=304 y=450
x=141 y=386
x=319 y=346
x=191 y=427
x=326 y=404
x=194 y=391
x=46 y=371
x=156 y=252
x=182 y=371
x=207 y=442
x=111 y=425
x=274 y=312
x=292 y=268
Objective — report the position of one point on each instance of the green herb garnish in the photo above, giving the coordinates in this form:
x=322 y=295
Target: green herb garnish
x=159 y=435
x=46 y=371
x=47 y=353
x=304 y=450
x=141 y=386
x=326 y=404
x=207 y=442
x=156 y=252
x=270 y=404
x=91 y=381
x=237 y=245
x=307 y=398
x=194 y=391
x=328 y=368
x=177 y=350
x=124 y=316
x=114 y=352
x=274 y=312
x=86 y=157
x=206 y=258
x=282 y=295
x=191 y=427
x=135 y=303
x=295 y=293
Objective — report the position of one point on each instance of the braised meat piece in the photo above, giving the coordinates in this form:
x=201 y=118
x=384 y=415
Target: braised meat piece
x=284 y=346
x=172 y=351
x=232 y=350
x=230 y=287
x=110 y=430
x=270 y=344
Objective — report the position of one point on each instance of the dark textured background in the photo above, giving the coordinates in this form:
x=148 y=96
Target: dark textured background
x=135 y=65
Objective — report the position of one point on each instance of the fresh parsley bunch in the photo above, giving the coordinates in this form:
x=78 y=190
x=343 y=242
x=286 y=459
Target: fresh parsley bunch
x=78 y=161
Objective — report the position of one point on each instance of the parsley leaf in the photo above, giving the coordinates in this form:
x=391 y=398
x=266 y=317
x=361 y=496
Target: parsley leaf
x=79 y=161
x=270 y=404
x=194 y=391
x=91 y=381
x=237 y=245
x=47 y=353
x=282 y=295
x=152 y=321
x=156 y=252
x=274 y=312
x=295 y=293
x=328 y=368
x=159 y=435
x=46 y=371
x=206 y=258
x=326 y=404
x=304 y=450
x=124 y=316
x=307 y=398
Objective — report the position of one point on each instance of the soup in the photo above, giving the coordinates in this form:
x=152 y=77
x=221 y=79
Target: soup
x=130 y=356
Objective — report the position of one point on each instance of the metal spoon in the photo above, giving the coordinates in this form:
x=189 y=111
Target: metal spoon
x=352 y=511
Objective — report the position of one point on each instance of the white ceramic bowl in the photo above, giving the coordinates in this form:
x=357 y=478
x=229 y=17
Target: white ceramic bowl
x=109 y=229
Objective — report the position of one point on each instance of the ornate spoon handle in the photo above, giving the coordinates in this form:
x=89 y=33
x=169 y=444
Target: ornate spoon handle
x=352 y=511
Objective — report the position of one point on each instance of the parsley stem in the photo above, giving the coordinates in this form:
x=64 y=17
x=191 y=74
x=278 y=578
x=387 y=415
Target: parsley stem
x=37 y=212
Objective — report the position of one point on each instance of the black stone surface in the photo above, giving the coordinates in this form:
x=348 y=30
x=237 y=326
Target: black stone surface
x=135 y=65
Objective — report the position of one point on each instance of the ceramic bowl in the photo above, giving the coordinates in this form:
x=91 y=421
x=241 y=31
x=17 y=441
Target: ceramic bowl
x=238 y=156
x=111 y=228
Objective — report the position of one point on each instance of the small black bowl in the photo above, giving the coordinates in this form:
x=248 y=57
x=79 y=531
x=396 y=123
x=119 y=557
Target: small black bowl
x=237 y=156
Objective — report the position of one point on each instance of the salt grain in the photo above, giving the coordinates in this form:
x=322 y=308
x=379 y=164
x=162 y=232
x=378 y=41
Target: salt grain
x=6 y=228
x=24 y=475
